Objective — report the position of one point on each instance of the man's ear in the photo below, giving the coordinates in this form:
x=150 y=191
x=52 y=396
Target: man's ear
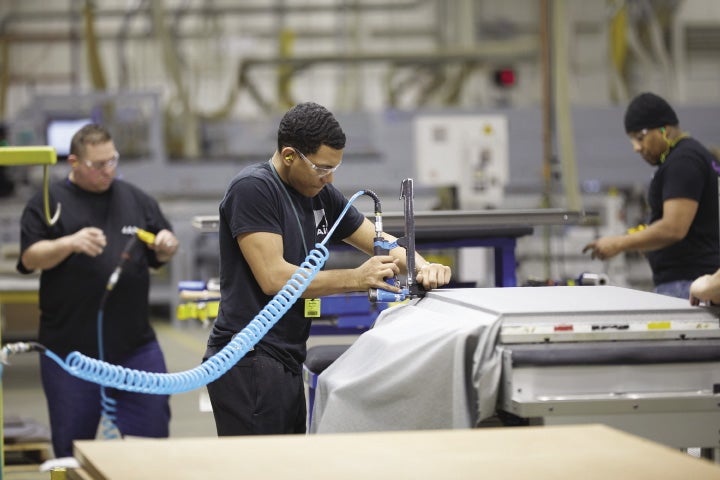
x=287 y=153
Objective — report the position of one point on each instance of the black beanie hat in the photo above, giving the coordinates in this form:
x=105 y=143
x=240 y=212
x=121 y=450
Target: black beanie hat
x=648 y=110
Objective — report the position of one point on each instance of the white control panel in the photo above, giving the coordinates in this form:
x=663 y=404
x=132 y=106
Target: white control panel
x=469 y=152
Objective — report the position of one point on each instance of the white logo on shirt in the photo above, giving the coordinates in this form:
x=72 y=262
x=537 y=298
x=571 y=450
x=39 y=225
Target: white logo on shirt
x=320 y=222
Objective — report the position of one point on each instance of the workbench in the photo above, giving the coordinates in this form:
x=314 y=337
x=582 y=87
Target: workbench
x=588 y=451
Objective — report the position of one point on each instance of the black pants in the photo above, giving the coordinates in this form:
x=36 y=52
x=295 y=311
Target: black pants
x=258 y=396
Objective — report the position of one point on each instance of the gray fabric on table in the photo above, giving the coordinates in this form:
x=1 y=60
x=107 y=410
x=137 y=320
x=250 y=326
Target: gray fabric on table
x=418 y=368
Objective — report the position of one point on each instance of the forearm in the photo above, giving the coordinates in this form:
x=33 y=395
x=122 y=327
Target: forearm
x=272 y=272
x=656 y=236
x=331 y=282
x=47 y=254
x=370 y=274
x=275 y=277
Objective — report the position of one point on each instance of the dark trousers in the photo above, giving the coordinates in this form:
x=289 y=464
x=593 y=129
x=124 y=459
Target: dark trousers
x=258 y=396
x=678 y=288
x=74 y=404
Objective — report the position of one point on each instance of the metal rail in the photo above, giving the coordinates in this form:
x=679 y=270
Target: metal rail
x=455 y=219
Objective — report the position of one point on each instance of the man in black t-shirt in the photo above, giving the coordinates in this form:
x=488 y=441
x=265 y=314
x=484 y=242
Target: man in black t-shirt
x=681 y=238
x=77 y=255
x=271 y=217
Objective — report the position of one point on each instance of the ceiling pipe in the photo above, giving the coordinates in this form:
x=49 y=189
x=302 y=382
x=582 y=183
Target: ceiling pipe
x=490 y=52
x=54 y=15
x=121 y=41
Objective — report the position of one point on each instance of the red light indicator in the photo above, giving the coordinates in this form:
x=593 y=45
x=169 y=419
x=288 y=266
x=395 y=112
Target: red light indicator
x=505 y=77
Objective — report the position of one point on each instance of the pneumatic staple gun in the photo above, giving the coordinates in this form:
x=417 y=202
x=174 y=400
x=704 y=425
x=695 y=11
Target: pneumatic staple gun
x=382 y=247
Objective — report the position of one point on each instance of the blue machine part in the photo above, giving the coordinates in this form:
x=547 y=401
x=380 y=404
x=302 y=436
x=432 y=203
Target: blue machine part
x=192 y=285
x=350 y=313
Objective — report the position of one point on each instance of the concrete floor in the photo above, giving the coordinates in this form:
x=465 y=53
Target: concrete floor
x=183 y=345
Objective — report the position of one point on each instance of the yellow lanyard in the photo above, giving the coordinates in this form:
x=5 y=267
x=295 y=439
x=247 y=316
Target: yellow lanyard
x=671 y=144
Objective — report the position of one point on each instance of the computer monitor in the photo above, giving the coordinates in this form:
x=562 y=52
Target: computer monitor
x=60 y=131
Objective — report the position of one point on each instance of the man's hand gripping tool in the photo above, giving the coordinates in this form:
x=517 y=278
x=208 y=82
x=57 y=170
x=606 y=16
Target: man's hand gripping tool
x=383 y=247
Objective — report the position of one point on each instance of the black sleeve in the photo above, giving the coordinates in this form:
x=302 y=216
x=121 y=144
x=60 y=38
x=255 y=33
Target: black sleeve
x=252 y=205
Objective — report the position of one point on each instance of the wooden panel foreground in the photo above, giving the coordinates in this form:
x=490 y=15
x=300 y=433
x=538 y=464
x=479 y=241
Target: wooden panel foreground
x=577 y=451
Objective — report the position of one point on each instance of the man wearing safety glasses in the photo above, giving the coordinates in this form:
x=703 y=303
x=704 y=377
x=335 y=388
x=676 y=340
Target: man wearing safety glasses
x=680 y=239
x=272 y=216
x=77 y=256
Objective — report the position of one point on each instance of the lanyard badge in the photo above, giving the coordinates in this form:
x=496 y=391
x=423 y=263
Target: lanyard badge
x=312 y=307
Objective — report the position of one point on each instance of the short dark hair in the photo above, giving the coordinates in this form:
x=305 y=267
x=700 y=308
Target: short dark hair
x=90 y=134
x=307 y=126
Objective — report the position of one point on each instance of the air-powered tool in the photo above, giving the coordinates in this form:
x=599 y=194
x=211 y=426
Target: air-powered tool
x=383 y=247
x=136 y=234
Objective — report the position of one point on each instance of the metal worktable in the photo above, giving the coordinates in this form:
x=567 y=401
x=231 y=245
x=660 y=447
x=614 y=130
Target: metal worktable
x=638 y=361
x=496 y=229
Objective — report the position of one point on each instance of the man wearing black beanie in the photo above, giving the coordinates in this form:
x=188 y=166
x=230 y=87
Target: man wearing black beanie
x=680 y=239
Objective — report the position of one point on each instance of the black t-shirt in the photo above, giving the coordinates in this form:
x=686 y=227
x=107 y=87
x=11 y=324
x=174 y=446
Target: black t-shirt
x=687 y=173
x=257 y=201
x=71 y=292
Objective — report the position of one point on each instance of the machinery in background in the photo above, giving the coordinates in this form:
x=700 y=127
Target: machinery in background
x=468 y=152
x=198 y=301
x=134 y=118
x=466 y=158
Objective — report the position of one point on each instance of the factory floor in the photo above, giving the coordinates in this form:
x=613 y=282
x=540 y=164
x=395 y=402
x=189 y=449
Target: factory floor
x=183 y=344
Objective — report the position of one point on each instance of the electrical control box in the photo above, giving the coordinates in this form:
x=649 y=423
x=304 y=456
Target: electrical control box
x=469 y=152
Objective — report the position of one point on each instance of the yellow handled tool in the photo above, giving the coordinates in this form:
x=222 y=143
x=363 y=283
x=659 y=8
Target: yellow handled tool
x=145 y=236
x=142 y=235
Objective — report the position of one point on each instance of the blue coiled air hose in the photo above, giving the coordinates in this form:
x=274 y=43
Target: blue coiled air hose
x=130 y=380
